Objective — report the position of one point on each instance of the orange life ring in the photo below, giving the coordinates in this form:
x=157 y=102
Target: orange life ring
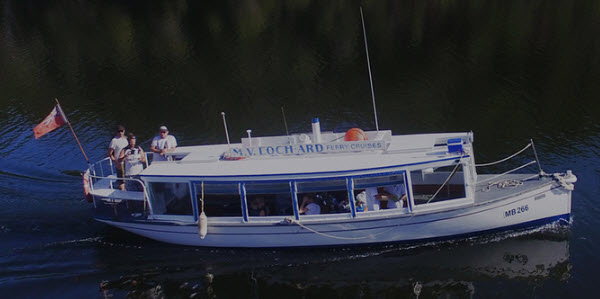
x=355 y=134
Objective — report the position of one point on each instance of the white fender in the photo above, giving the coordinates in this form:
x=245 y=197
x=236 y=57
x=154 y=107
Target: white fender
x=202 y=225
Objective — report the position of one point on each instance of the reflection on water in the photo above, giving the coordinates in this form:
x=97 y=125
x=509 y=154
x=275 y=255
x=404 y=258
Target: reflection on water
x=458 y=268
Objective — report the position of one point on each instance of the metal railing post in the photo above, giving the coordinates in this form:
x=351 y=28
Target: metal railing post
x=536 y=157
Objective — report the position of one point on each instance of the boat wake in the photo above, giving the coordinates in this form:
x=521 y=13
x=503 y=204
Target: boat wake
x=73 y=242
x=40 y=177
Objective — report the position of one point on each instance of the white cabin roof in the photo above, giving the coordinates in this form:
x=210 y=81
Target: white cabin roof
x=204 y=160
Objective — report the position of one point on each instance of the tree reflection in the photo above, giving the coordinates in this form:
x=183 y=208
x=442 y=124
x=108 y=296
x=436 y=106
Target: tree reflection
x=437 y=64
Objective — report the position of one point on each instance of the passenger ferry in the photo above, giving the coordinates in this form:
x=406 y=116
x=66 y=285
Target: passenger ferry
x=369 y=187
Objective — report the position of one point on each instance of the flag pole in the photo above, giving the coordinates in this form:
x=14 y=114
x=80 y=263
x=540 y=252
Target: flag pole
x=70 y=127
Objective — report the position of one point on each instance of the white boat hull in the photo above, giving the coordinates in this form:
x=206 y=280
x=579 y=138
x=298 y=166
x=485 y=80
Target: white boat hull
x=548 y=203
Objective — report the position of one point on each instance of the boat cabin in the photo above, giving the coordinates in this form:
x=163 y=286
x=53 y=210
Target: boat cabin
x=270 y=179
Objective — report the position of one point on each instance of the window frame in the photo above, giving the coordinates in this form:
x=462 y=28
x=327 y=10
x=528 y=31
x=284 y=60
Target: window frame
x=447 y=203
x=173 y=217
x=196 y=193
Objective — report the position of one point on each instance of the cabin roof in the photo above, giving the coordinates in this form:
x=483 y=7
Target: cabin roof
x=205 y=160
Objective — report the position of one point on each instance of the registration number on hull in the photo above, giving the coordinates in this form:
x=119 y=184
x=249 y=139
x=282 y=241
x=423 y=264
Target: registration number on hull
x=515 y=211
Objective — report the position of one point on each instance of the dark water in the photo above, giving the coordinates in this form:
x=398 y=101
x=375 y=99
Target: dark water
x=507 y=70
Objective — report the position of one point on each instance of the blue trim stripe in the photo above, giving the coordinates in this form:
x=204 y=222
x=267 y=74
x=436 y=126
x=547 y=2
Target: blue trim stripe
x=243 y=199
x=294 y=190
x=194 y=197
x=409 y=192
x=350 y=188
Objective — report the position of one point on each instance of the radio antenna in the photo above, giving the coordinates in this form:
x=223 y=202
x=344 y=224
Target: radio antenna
x=369 y=66
x=285 y=122
x=226 y=131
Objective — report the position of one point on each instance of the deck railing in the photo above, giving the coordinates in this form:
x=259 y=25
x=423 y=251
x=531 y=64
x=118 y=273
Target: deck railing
x=536 y=161
x=102 y=177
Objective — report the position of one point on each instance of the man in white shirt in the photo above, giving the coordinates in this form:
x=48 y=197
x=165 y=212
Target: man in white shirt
x=308 y=206
x=114 y=150
x=162 y=144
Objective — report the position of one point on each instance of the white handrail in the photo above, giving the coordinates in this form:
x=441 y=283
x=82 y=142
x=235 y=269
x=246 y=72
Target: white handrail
x=119 y=179
x=505 y=159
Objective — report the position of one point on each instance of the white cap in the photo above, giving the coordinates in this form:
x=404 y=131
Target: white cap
x=163 y=128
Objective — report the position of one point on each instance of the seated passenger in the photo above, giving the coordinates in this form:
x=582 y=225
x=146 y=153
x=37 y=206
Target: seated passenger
x=360 y=200
x=343 y=206
x=399 y=191
x=372 y=202
x=333 y=202
x=308 y=206
x=257 y=207
x=386 y=198
x=360 y=206
x=389 y=197
x=322 y=200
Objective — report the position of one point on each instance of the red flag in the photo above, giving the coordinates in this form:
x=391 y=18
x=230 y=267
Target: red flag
x=55 y=119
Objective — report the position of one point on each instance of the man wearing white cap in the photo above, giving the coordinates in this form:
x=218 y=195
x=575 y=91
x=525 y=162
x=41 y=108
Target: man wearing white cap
x=162 y=144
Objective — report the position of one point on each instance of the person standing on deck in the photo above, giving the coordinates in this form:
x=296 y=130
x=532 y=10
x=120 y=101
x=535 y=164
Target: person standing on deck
x=133 y=159
x=162 y=144
x=114 y=150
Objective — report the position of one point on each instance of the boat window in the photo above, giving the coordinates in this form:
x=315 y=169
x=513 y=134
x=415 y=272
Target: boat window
x=331 y=195
x=171 y=199
x=379 y=193
x=220 y=199
x=378 y=181
x=219 y=188
x=269 y=199
x=427 y=182
x=321 y=185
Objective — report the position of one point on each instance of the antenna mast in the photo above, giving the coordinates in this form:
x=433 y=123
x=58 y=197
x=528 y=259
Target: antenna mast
x=226 y=132
x=285 y=122
x=369 y=66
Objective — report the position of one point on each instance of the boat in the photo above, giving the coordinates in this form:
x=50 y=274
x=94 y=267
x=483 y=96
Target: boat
x=371 y=187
